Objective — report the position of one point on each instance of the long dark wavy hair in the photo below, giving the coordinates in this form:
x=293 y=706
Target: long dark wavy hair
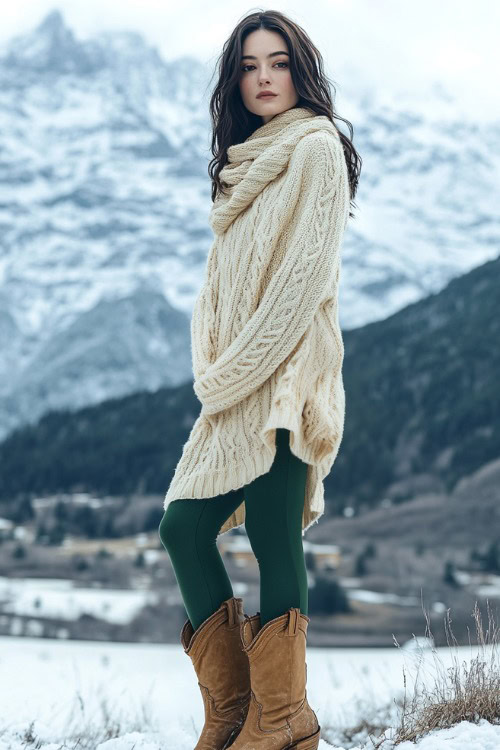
x=232 y=122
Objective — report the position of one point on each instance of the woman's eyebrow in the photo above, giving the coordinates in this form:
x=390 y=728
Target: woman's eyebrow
x=271 y=54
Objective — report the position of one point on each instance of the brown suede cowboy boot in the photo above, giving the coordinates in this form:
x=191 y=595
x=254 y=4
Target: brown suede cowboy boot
x=279 y=716
x=221 y=666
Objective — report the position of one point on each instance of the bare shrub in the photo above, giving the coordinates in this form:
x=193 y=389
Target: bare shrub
x=462 y=692
x=467 y=692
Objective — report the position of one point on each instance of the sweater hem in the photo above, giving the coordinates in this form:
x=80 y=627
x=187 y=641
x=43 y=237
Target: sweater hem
x=211 y=484
x=203 y=485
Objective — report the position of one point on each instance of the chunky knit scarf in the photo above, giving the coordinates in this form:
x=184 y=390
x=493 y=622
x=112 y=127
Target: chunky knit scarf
x=257 y=161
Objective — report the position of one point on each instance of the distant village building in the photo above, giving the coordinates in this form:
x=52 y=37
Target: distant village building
x=72 y=498
x=238 y=548
x=326 y=556
x=6 y=528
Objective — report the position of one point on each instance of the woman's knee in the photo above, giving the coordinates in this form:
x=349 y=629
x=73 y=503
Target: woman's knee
x=172 y=529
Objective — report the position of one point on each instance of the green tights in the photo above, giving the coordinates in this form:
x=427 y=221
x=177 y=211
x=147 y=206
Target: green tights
x=274 y=504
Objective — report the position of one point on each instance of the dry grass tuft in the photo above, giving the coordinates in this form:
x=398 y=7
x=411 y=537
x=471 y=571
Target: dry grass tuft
x=463 y=692
x=86 y=732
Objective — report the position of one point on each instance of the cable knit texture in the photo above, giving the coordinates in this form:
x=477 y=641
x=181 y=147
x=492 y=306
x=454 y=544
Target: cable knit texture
x=266 y=343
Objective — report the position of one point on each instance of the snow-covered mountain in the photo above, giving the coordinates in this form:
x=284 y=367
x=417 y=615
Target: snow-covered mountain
x=104 y=201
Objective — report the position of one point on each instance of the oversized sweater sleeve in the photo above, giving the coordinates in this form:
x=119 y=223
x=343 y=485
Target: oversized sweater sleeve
x=203 y=321
x=317 y=214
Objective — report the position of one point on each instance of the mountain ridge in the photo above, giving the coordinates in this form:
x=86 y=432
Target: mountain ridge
x=105 y=193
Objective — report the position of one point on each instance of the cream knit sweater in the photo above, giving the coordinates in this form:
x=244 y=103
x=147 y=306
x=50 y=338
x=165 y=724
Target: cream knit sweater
x=267 y=348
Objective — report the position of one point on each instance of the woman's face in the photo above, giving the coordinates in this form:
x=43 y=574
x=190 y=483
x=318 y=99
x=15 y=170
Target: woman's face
x=262 y=69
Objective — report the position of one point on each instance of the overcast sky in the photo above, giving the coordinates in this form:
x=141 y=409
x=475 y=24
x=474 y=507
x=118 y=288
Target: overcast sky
x=392 y=44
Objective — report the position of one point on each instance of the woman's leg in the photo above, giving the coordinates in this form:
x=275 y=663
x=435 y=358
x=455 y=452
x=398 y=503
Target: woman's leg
x=188 y=531
x=274 y=504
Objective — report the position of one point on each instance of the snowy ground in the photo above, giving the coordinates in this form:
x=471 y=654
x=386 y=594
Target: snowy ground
x=62 y=684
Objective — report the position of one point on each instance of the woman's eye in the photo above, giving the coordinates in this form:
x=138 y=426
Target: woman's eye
x=281 y=62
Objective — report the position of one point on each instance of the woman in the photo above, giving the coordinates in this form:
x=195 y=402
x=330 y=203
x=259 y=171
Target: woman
x=267 y=355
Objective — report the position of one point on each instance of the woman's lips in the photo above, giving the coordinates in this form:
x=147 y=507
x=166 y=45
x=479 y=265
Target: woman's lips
x=267 y=96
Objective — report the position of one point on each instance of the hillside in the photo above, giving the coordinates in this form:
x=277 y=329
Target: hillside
x=422 y=412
